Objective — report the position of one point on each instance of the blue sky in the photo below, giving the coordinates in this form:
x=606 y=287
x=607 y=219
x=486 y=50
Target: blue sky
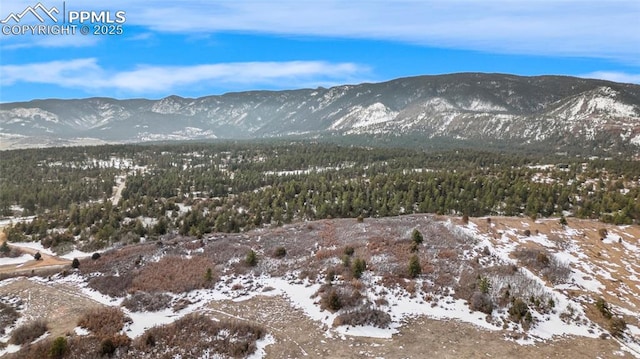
x=198 y=48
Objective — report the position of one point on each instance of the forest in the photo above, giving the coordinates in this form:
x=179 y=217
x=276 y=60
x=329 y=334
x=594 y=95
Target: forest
x=67 y=196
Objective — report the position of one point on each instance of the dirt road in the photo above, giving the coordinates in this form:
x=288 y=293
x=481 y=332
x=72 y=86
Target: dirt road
x=46 y=262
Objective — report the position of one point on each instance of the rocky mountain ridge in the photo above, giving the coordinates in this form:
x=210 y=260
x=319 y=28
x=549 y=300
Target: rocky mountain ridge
x=562 y=111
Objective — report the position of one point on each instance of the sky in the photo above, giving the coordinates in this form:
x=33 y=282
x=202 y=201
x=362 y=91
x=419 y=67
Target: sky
x=192 y=48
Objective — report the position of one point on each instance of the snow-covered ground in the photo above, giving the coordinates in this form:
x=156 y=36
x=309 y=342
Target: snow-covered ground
x=567 y=318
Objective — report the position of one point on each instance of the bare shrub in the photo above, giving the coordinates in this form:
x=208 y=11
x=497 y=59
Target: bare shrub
x=105 y=321
x=324 y=253
x=280 y=252
x=481 y=302
x=59 y=348
x=196 y=335
x=519 y=285
x=84 y=347
x=8 y=316
x=111 y=285
x=147 y=302
x=28 y=332
x=617 y=326
x=544 y=263
x=9 y=252
x=518 y=310
x=366 y=315
x=121 y=260
x=349 y=250
x=173 y=274
x=334 y=298
x=331 y=301
x=444 y=279
x=447 y=254
x=602 y=232
x=223 y=250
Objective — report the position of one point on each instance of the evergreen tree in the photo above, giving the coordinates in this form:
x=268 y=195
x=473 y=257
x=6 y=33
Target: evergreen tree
x=414 y=266
x=416 y=237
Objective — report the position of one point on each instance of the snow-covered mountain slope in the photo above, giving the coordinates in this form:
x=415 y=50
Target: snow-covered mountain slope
x=478 y=107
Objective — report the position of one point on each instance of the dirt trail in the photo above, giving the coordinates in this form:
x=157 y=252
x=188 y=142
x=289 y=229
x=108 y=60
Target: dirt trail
x=46 y=262
x=121 y=183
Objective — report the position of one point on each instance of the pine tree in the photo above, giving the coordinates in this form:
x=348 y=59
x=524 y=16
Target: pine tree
x=414 y=266
x=252 y=258
x=416 y=236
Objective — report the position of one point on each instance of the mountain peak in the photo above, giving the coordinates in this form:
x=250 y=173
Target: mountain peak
x=558 y=110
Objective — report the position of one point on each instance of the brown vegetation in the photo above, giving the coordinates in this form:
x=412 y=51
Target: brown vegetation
x=173 y=274
x=105 y=321
x=150 y=302
x=28 y=332
x=196 y=335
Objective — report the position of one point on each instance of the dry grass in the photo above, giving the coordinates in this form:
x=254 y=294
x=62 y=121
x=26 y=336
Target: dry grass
x=104 y=322
x=173 y=274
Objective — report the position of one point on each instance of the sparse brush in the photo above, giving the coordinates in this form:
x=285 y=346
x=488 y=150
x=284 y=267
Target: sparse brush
x=546 y=264
x=149 y=302
x=115 y=286
x=28 y=332
x=8 y=316
x=518 y=310
x=280 y=252
x=481 y=302
x=173 y=274
x=104 y=321
x=348 y=250
x=365 y=315
x=617 y=326
x=200 y=336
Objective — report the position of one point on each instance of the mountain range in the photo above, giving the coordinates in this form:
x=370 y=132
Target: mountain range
x=545 y=111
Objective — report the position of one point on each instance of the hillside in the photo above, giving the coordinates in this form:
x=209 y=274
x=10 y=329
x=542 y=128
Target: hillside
x=471 y=277
x=550 y=112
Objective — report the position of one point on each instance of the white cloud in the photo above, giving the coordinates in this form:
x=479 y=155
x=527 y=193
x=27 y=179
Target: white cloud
x=87 y=74
x=66 y=41
x=613 y=76
x=602 y=29
x=68 y=73
x=541 y=27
